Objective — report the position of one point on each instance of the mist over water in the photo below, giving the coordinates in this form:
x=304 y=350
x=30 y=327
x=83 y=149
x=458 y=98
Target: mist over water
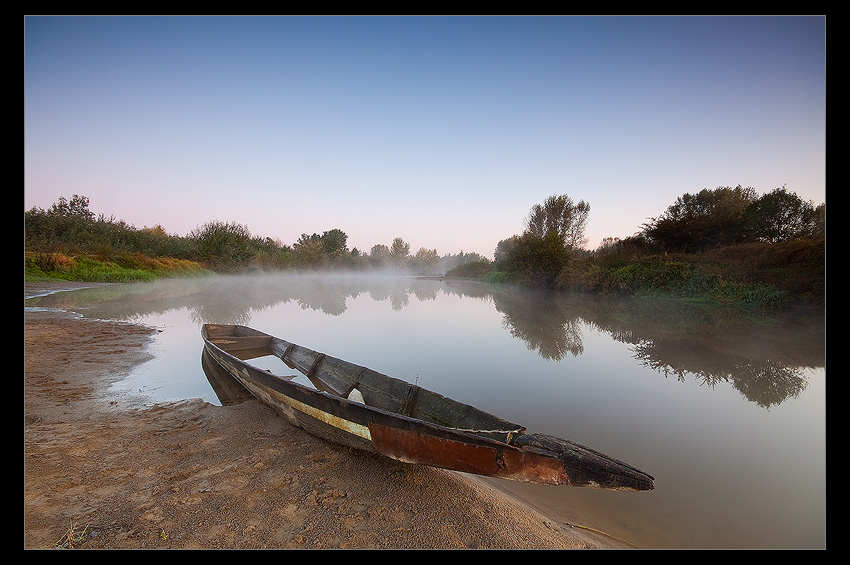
x=726 y=409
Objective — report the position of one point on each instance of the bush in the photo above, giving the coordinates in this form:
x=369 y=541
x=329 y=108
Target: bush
x=534 y=260
x=224 y=245
x=472 y=269
x=47 y=263
x=652 y=275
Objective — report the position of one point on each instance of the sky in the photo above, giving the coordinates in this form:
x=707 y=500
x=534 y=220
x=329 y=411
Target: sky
x=443 y=131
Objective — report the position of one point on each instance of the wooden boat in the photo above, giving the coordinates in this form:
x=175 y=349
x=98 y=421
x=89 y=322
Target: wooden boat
x=361 y=408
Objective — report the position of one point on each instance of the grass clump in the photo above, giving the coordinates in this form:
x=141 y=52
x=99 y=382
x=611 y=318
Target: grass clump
x=73 y=537
x=496 y=277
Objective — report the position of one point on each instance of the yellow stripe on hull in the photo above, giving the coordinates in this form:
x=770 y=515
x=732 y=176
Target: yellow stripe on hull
x=330 y=419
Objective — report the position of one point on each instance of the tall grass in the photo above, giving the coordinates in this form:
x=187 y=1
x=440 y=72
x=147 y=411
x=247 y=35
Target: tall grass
x=472 y=270
x=120 y=268
x=761 y=275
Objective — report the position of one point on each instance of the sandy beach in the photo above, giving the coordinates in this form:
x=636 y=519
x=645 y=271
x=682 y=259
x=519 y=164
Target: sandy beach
x=121 y=474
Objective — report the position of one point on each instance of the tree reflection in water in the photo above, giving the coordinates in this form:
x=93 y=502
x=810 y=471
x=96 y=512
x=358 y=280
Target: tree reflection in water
x=762 y=355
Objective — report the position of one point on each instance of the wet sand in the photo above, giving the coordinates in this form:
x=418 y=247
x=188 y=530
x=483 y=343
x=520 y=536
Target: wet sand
x=125 y=475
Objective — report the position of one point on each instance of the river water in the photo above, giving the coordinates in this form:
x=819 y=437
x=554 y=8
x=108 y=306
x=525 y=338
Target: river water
x=726 y=410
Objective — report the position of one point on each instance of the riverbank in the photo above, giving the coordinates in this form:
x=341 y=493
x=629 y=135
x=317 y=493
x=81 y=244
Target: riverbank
x=121 y=474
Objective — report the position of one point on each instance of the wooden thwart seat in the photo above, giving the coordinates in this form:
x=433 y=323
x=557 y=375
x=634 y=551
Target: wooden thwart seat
x=236 y=343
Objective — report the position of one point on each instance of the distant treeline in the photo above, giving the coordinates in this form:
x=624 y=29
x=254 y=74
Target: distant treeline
x=721 y=245
x=69 y=228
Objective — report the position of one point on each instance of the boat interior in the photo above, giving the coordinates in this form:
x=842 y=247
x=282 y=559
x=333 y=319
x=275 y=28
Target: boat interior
x=358 y=383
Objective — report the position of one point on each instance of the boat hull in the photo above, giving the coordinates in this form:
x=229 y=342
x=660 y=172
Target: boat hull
x=334 y=417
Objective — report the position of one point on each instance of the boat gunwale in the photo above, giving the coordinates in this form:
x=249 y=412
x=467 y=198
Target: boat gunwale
x=357 y=406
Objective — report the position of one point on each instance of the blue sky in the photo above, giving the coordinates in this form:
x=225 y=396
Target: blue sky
x=443 y=131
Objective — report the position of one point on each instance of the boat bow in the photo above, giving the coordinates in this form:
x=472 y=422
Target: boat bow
x=583 y=466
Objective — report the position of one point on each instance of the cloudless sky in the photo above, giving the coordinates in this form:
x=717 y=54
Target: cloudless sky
x=443 y=131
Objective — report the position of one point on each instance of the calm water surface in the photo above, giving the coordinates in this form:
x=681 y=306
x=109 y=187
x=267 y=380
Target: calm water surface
x=726 y=411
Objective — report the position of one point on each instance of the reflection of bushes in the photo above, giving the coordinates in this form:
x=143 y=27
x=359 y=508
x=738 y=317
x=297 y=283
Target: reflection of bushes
x=764 y=381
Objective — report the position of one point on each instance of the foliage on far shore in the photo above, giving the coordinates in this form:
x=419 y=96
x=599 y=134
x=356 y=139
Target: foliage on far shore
x=755 y=274
x=727 y=246
x=123 y=268
x=69 y=241
x=722 y=246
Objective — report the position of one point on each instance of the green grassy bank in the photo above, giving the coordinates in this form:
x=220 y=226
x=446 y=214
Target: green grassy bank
x=130 y=267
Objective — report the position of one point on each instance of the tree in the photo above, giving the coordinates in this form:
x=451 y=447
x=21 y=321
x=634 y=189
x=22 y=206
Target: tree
x=309 y=251
x=66 y=223
x=783 y=216
x=503 y=251
x=77 y=207
x=426 y=260
x=379 y=251
x=558 y=214
x=696 y=222
x=399 y=251
x=379 y=255
x=334 y=242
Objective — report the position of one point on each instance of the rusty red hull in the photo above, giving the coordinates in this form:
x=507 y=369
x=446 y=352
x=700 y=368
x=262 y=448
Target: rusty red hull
x=503 y=461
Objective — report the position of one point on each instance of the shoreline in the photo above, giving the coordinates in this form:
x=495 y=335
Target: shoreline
x=190 y=475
